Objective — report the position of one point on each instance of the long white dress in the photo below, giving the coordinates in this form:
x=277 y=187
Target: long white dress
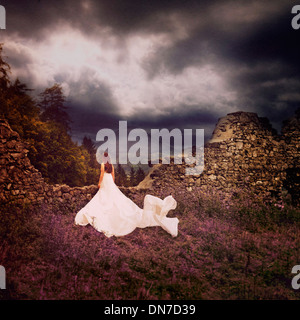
x=112 y=213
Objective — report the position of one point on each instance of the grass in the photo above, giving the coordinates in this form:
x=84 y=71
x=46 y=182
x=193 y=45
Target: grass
x=241 y=248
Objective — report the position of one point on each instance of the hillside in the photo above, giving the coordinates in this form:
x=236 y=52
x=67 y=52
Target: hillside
x=241 y=250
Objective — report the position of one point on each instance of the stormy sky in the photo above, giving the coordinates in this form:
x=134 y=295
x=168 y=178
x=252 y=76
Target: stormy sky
x=157 y=64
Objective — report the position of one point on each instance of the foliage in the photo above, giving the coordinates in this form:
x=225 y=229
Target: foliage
x=44 y=127
x=93 y=169
x=120 y=176
x=132 y=177
x=53 y=105
x=4 y=71
x=128 y=180
x=140 y=175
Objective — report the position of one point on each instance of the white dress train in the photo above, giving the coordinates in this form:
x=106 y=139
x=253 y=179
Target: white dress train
x=112 y=213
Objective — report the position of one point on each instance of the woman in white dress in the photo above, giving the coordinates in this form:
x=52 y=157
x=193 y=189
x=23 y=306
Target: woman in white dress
x=112 y=213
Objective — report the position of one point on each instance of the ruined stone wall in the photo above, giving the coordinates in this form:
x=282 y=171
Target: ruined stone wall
x=20 y=182
x=244 y=151
x=291 y=136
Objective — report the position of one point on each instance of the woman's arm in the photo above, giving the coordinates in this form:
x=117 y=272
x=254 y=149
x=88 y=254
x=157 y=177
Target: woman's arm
x=101 y=175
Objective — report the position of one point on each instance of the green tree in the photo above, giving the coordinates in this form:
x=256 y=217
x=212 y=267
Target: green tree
x=93 y=170
x=20 y=109
x=53 y=106
x=57 y=157
x=140 y=175
x=132 y=178
x=120 y=176
x=51 y=149
x=88 y=145
x=4 y=71
x=4 y=83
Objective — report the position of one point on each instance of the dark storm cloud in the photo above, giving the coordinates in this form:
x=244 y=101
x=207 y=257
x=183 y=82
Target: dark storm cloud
x=97 y=110
x=95 y=96
x=89 y=121
x=256 y=52
x=34 y=18
x=271 y=39
x=274 y=40
x=261 y=62
x=262 y=39
x=273 y=54
x=182 y=116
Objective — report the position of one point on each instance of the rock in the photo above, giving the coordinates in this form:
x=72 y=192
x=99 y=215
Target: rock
x=65 y=188
x=239 y=145
x=212 y=177
x=16 y=155
x=67 y=196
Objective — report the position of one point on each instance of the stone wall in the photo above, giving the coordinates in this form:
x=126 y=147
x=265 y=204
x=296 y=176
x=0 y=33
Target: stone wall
x=20 y=182
x=291 y=135
x=244 y=151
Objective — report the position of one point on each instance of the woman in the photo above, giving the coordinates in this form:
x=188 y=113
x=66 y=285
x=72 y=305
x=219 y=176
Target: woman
x=112 y=213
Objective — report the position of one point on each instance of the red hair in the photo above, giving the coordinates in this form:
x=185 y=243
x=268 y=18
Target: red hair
x=107 y=164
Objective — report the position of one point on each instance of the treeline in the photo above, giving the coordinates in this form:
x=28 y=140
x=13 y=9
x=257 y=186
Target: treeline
x=45 y=126
x=133 y=179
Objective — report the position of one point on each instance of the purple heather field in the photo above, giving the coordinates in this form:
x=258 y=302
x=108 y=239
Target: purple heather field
x=240 y=248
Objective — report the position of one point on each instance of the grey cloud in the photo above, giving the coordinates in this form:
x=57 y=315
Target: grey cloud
x=18 y=59
x=97 y=96
x=31 y=17
x=248 y=54
x=88 y=122
x=249 y=58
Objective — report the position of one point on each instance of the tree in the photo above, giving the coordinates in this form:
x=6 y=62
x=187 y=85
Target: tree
x=121 y=178
x=4 y=71
x=93 y=169
x=88 y=144
x=140 y=175
x=132 y=177
x=4 y=83
x=19 y=109
x=51 y=149
x=53 y=105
